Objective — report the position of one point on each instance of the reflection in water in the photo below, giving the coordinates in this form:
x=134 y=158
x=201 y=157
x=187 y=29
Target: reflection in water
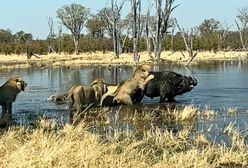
x=220 y=85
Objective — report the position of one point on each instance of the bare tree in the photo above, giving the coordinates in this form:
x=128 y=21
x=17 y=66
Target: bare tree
x=147 y=32
x=148 y=28
x=136 y=9
x=242 y=24
x=162 y=25
x=73 y=17
x=188 y=42
x=173 y=27
x=59 y=38
x=224 y=29
x=114 y=17
x=51 y=34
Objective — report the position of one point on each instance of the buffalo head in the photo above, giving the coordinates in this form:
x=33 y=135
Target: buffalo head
x=167 y=85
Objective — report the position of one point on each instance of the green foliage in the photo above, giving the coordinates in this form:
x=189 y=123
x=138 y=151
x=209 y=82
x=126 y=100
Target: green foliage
x=73 y=17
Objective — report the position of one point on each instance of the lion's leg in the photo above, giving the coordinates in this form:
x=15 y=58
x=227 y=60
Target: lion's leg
x=4 y=110
x=70 y=105
x=9 y=111
x=143 y=85
x=78 y=101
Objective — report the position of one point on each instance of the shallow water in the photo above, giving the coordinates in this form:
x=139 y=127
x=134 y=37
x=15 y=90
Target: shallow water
x=220 y=85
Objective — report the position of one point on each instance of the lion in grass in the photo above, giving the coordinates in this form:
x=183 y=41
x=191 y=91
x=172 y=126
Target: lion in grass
x=8 y=92
x=83 y=95
x=127 y=89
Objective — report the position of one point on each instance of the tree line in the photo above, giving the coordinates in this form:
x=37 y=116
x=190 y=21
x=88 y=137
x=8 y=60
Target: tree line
x=154 y=30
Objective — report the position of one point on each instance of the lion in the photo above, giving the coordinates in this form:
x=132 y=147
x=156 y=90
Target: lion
x=8 y=92
x=85 y=95
x=127 y=89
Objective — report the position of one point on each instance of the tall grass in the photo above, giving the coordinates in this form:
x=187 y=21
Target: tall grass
x=51 y=145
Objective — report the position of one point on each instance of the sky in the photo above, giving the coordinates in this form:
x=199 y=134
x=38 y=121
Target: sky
x=31 y=16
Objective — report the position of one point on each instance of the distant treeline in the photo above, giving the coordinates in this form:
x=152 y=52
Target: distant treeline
x=13 y=44
x=209 y=36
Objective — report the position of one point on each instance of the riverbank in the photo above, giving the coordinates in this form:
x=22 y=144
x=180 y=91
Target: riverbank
x=20 y=61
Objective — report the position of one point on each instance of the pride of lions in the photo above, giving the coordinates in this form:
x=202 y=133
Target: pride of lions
x=165 y=84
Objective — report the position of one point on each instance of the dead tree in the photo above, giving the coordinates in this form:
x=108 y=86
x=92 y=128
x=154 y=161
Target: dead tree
x=173 y=27
x=136 y=10
x=147 y=31
x=162 y=24
x=242 y=25
x=59 y=38
x=114 y=17
x=222 y=36
x=51 y=34
x=188 y=42
x=241 y=35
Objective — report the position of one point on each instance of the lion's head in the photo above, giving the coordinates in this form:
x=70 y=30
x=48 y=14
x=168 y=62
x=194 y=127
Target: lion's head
x=18 y=82
x=141 y=72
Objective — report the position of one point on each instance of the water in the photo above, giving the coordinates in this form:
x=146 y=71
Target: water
x=220 y=85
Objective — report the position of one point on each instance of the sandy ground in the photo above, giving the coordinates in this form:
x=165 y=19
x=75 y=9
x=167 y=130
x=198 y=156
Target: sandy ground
x=20 y=61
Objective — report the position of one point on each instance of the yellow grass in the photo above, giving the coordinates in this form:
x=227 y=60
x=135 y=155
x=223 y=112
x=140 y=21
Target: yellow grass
x=231 y=110
x=20 y=61
x=51 y=146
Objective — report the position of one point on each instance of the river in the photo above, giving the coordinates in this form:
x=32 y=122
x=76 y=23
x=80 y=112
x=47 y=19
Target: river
x=221 y=85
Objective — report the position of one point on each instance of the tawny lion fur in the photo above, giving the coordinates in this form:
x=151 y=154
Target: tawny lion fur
x=85 y=95
x=127 y=89
x=8 y=92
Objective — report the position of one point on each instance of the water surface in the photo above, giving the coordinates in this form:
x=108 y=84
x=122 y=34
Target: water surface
x=220 y=85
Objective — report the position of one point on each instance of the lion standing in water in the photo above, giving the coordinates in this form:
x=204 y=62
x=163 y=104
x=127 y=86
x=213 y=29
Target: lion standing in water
x=127 y=89
x=8 y=92
x=85 y=95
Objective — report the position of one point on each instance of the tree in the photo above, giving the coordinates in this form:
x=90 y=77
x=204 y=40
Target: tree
x=208 y=30
x=51 y=35
x=188 y=42
x=73 y=17
x=59 y=38
x=148 y=22
x=162 y=24
x=222 y=35
x=5 y=36
x=114 y=16
x=103 y=16
x=136 y=10
x=95 y=26
x=22 y=37
x=242 y=24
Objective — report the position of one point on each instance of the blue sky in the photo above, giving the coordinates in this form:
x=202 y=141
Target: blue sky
x=31 y=15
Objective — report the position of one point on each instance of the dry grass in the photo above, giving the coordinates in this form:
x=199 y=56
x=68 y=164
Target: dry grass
x=20 y=61
x=50 y=145
x=187 y=113
x=231 y=110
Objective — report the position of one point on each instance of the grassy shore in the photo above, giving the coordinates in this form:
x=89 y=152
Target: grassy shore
x=20 y=61
x=51 y=145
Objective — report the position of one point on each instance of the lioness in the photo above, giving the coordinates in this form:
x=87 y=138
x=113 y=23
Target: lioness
x=127 y=89
x=8 y=92
x=85 y=95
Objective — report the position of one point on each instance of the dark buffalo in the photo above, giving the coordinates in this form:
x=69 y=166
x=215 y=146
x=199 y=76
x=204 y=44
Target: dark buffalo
x=166 y=85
